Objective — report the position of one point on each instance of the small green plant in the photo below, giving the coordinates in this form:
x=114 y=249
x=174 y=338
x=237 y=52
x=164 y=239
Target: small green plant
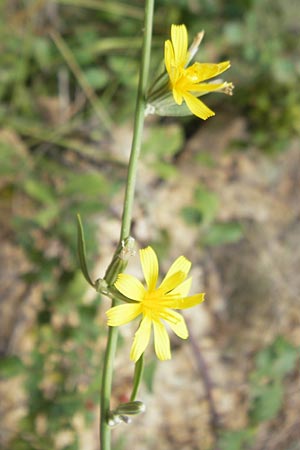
x=203 y=214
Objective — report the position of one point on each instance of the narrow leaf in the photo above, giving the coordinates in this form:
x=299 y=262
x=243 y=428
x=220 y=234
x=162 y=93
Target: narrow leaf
x=81 y=251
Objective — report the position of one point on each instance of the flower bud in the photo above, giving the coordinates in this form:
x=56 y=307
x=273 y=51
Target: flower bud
x=120 y=260
x=131 y=408
x=121 y=413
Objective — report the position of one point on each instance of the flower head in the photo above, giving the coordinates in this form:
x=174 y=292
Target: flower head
x=155 y=304
x=188 y=82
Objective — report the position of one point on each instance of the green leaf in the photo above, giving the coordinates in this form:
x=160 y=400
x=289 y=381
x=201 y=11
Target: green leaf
x=39 y=191
x=205 y=158
x=10 y=366
x=164 y=170
x=277 y=360
x=42 y=51
x=223 y=233
x=236 y=440
x=96 y=77
x=12 y=158
x=204 y=209
x=207 y=203
x=47 y=215
x=87 y=185
x=268 y=402
x=191 y=215
x=287 y=356
x=155 y=142
x=81 y=251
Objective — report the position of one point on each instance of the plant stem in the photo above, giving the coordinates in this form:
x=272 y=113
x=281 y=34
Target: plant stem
x=138 y=121
x=105 y=431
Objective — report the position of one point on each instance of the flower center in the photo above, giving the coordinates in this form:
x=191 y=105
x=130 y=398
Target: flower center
x=151 y=300
x=183 y=79
x=156 y=304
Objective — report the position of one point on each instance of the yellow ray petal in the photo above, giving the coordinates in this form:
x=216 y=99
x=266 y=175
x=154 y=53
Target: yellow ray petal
x=205 y=71
x=204 y=88
x=169 y=56
x=177 y=96
x=121 y=314
x=179 y=39
x=161 y=341
x=171 y=282
x=191 y=301
x=130 y=286
x=141 y=339
x=184 y=288
x=197 y=107
x=150 y=267
x=181 y=264
x=167 y=314
x=178 y=325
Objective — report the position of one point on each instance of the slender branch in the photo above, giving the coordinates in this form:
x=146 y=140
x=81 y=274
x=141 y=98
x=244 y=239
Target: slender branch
x=105 y=432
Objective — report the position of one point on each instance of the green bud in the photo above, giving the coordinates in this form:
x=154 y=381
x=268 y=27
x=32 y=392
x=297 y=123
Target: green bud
x=131 y=408
x=120 y=260
x=121 y=413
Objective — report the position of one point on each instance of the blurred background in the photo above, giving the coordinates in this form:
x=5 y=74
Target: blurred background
x=225 y=193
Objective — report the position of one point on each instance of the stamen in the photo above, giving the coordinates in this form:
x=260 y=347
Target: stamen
x=228 y=88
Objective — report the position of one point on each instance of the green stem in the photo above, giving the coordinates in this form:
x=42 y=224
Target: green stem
x=138 y=121
x=105 y=431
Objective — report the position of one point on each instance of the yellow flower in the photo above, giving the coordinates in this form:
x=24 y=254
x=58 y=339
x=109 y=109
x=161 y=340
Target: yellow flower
x=154 y=304
x=187 y=83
